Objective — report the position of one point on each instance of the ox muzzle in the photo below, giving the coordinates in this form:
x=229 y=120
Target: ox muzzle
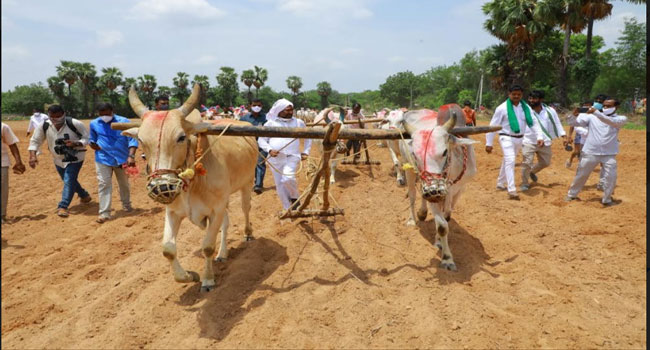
x=165 y=188
x=434 y=190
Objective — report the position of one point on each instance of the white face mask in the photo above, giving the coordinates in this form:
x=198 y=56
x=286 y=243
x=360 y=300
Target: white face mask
x=256 y=109
x=106 y=118
x=609 y=110
x=57 y=121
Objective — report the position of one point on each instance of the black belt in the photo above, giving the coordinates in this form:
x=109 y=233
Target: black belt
x=515 y=136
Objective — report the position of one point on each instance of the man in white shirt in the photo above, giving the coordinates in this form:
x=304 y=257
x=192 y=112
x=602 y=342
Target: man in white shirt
x=514 y=117
x=9 y=142
x=285 y=152
x=551 y=127
x=66 y=139
x=36 y=120
x=601 y=146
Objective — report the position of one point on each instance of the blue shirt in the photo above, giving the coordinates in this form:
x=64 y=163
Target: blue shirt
x=257 y=121
x=115 y=146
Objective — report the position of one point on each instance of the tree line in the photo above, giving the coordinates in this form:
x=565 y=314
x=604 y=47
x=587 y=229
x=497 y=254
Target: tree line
x=542 y=48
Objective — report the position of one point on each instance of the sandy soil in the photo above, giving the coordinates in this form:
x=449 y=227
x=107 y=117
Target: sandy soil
x=538 y=273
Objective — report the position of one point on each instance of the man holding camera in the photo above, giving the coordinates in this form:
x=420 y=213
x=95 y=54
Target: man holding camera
x=66 y=139
x=113 y=152
x=601 y=146
x=551 y=127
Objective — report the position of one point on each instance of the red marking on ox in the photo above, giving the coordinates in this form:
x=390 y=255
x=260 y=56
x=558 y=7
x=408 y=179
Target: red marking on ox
x=154 y=116
x=429 y=114
x=424 y=144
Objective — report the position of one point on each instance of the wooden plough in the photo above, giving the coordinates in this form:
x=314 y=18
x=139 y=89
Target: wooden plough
x=329 y=136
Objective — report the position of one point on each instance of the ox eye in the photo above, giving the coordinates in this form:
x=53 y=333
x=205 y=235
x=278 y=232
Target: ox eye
x=181 y=138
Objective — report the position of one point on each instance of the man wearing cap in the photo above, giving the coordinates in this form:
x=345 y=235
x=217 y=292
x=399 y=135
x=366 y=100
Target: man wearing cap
x=285 y=155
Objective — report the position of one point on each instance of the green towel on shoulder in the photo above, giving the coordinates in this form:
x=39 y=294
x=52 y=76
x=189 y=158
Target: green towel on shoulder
x=512 y=118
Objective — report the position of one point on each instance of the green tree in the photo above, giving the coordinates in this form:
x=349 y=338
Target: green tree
x=248 y=77
x=147 y=85
x=180 y=81
x=67 y=71
x=261 y=75
x=324 y=90
x=24 y=98
x=88 y=76
x=401 y=89
x=57 y=86
x=111 y=78
x=227 y=81
x=202 y=80
x=294 y=83
x=514 y=22
x=594 y=10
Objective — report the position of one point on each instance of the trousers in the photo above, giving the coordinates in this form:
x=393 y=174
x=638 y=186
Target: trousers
x=543 y=160
x=260 y=169
x=105 y=187
x=285 y=177
x=71 y=185
x=608 y=175
x=510 y=147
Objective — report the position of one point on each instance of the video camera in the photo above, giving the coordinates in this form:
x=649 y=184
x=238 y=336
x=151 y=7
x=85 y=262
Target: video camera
x=69 y=153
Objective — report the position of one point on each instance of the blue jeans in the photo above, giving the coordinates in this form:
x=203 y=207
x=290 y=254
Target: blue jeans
x=260 y=169
x=71 y=186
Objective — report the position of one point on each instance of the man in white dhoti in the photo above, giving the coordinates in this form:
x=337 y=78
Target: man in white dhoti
x=601 y=146
x=551 y=127
x=514 y=117
x=285 y=152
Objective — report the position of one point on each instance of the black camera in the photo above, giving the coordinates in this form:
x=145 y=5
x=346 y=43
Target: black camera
x=69 y=153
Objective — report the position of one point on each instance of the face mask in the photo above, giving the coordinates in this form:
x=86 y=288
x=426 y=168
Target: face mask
x=536 y=104
x=164 y=107
x=57 y=121
x=598 y=105
x=609 y=111
x=256 y=109
x=106 y=118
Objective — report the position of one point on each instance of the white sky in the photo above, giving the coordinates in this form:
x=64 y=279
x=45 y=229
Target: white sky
x=353 y=44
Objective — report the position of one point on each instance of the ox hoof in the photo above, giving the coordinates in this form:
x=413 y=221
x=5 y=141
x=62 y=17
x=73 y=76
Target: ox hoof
x=447 y=217
x=332 y=181
x=438 y=245
x=206 y=287
x=401 y=182
x=411 y=222
x=448 y=266
x=422 y=215
x=194 y=277
x=219 y=259
x=248 y=238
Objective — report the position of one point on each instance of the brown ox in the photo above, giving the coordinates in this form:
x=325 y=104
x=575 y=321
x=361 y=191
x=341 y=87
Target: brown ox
x=170 y=138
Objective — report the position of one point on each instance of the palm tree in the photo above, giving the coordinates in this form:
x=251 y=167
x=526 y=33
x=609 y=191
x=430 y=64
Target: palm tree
x=227 y=80
x=248 y=77
x=181 y=80
x=294 y=83
x=566 y=14
x=513 y=22
x=97 y=87
x=261 y=75
x=67 y=71
x=593 y=10
x=56 y=85
x=202 y=80
x=87 y=75
x=324 y=89
x=127 y=83
x=111 y=78
x=147 y=84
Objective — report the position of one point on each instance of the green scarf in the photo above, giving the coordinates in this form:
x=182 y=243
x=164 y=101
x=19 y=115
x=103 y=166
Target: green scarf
x=512 y=118
x=550 y=116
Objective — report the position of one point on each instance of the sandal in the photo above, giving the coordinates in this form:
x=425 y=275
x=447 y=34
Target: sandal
x=101 y=220
x=62 y=212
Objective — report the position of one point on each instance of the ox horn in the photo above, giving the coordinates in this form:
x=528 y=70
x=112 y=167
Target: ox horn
x=451 y=122
x=138 y=107
x=191 y=101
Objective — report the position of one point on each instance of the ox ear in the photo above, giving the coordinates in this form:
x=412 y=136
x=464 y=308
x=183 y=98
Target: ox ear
x=133 y=133
x=461 y=141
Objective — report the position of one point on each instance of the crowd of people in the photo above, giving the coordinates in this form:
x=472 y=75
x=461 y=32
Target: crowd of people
x=527 y=127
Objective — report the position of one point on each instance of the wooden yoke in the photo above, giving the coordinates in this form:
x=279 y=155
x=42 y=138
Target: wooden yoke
x=329 y=142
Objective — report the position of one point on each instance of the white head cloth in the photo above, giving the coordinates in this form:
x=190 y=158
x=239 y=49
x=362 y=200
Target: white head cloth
x=278 y=107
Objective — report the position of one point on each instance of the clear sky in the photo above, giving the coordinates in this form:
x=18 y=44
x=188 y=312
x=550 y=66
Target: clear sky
x=353 y=44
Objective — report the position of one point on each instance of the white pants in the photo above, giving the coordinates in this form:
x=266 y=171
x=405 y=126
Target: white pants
x=285 y=179
x=608 y=175
x=510 y=147
x=105 y=187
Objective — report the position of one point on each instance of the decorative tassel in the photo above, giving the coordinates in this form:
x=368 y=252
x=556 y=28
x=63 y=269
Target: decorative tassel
x=407 y=166
x=200 y=170
x=187 y=174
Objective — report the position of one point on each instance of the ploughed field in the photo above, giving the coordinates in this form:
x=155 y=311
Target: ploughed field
x=534 y=273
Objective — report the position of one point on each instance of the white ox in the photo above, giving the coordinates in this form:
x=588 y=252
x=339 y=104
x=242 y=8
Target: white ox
x=170 y=138
x=444 y=163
